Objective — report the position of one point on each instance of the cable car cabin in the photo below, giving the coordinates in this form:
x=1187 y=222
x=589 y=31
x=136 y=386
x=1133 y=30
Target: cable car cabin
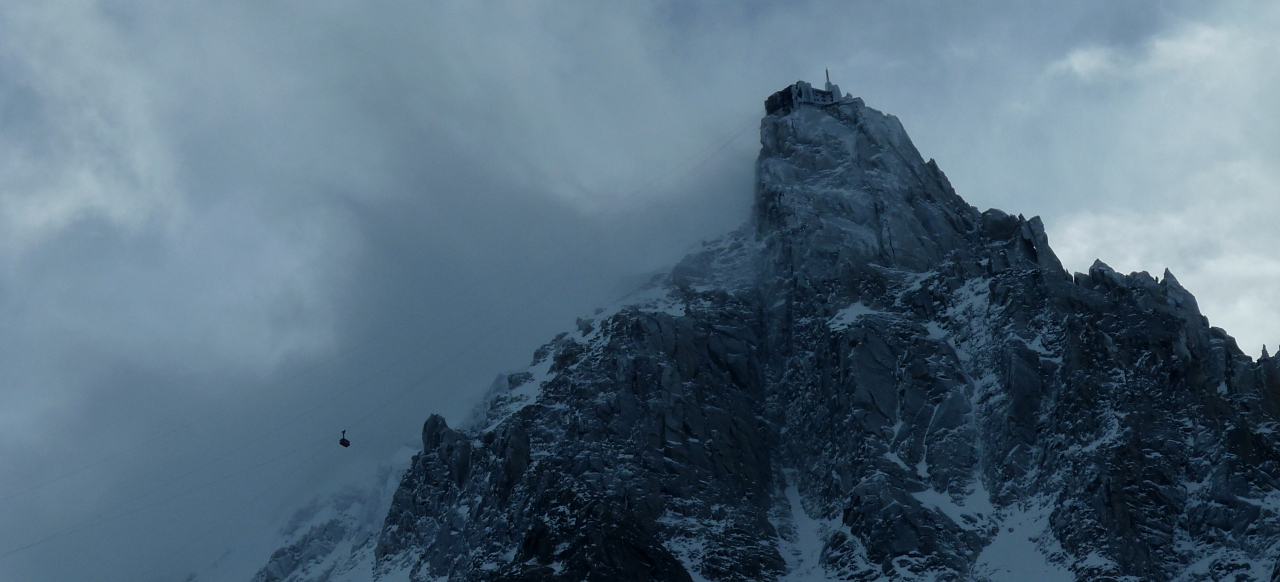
x=802 y=93
x=343 y=441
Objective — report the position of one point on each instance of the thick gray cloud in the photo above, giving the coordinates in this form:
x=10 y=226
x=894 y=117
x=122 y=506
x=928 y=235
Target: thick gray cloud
x=230 y=229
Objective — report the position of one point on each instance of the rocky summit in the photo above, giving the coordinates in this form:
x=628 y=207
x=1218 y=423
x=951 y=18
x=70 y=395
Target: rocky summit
x=871 y=380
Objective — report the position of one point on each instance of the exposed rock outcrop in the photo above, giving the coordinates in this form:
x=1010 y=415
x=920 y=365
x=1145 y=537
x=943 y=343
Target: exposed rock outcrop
x=870 y=381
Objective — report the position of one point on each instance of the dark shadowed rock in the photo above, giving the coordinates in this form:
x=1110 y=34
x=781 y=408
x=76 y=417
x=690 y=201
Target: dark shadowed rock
x=872 y=380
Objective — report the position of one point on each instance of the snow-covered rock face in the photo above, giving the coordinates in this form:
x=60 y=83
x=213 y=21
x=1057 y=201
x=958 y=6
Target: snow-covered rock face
x=333 y=538
x=851 y=177
x=871 y=381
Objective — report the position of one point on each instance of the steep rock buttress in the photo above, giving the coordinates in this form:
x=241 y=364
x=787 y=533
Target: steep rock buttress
x=872 y=380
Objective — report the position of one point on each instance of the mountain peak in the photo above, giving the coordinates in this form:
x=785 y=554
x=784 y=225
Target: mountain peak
x=870 y=381
x=852 y=173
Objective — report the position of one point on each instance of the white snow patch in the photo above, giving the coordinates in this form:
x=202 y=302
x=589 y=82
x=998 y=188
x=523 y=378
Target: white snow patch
x=1193 y=487
x=688 y=551
x=847 y=316
x=667 y=305
x=971 y=334
x=1201 y=568
x=893 y=432
x=517 y=398
x=1094 y=559
x=914 y=282
x=897 y=461
x=1015 y=555
x=1113 y=432
x=935 y=330
x=976 y=505
x=1270 y=502
x=1037 y=344
x=397 y=575
x=650 y=298
x=802 y=555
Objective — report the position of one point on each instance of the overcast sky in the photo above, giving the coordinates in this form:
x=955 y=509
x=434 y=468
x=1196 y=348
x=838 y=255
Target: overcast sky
x=231 y=229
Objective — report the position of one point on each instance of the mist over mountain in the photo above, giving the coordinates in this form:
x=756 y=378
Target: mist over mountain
x=870 y=380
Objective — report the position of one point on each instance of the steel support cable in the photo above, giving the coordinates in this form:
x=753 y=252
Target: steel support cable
x=539 y=295
x=112 y=456
x=227 y=516
x=335 y=357
x=212 y=462
x=94 y=520
x=719 y=147
x=724 y=140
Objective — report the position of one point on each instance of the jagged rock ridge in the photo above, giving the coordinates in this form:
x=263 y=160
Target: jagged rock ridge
x=872 y=380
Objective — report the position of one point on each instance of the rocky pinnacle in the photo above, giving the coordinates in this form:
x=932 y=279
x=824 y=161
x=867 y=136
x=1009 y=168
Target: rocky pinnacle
x=871 y=380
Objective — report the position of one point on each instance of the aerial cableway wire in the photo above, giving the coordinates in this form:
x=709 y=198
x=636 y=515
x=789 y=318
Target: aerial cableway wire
x=112 y=456
x=211 y=462
x=93 y=520
x=343 y=353
x=228 y=516
x=538 y=296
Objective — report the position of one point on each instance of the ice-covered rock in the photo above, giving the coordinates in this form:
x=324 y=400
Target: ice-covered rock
x=872 y=380
x=333 y=538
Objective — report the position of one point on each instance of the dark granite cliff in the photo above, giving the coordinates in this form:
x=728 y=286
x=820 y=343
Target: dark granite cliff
x=872 y=380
